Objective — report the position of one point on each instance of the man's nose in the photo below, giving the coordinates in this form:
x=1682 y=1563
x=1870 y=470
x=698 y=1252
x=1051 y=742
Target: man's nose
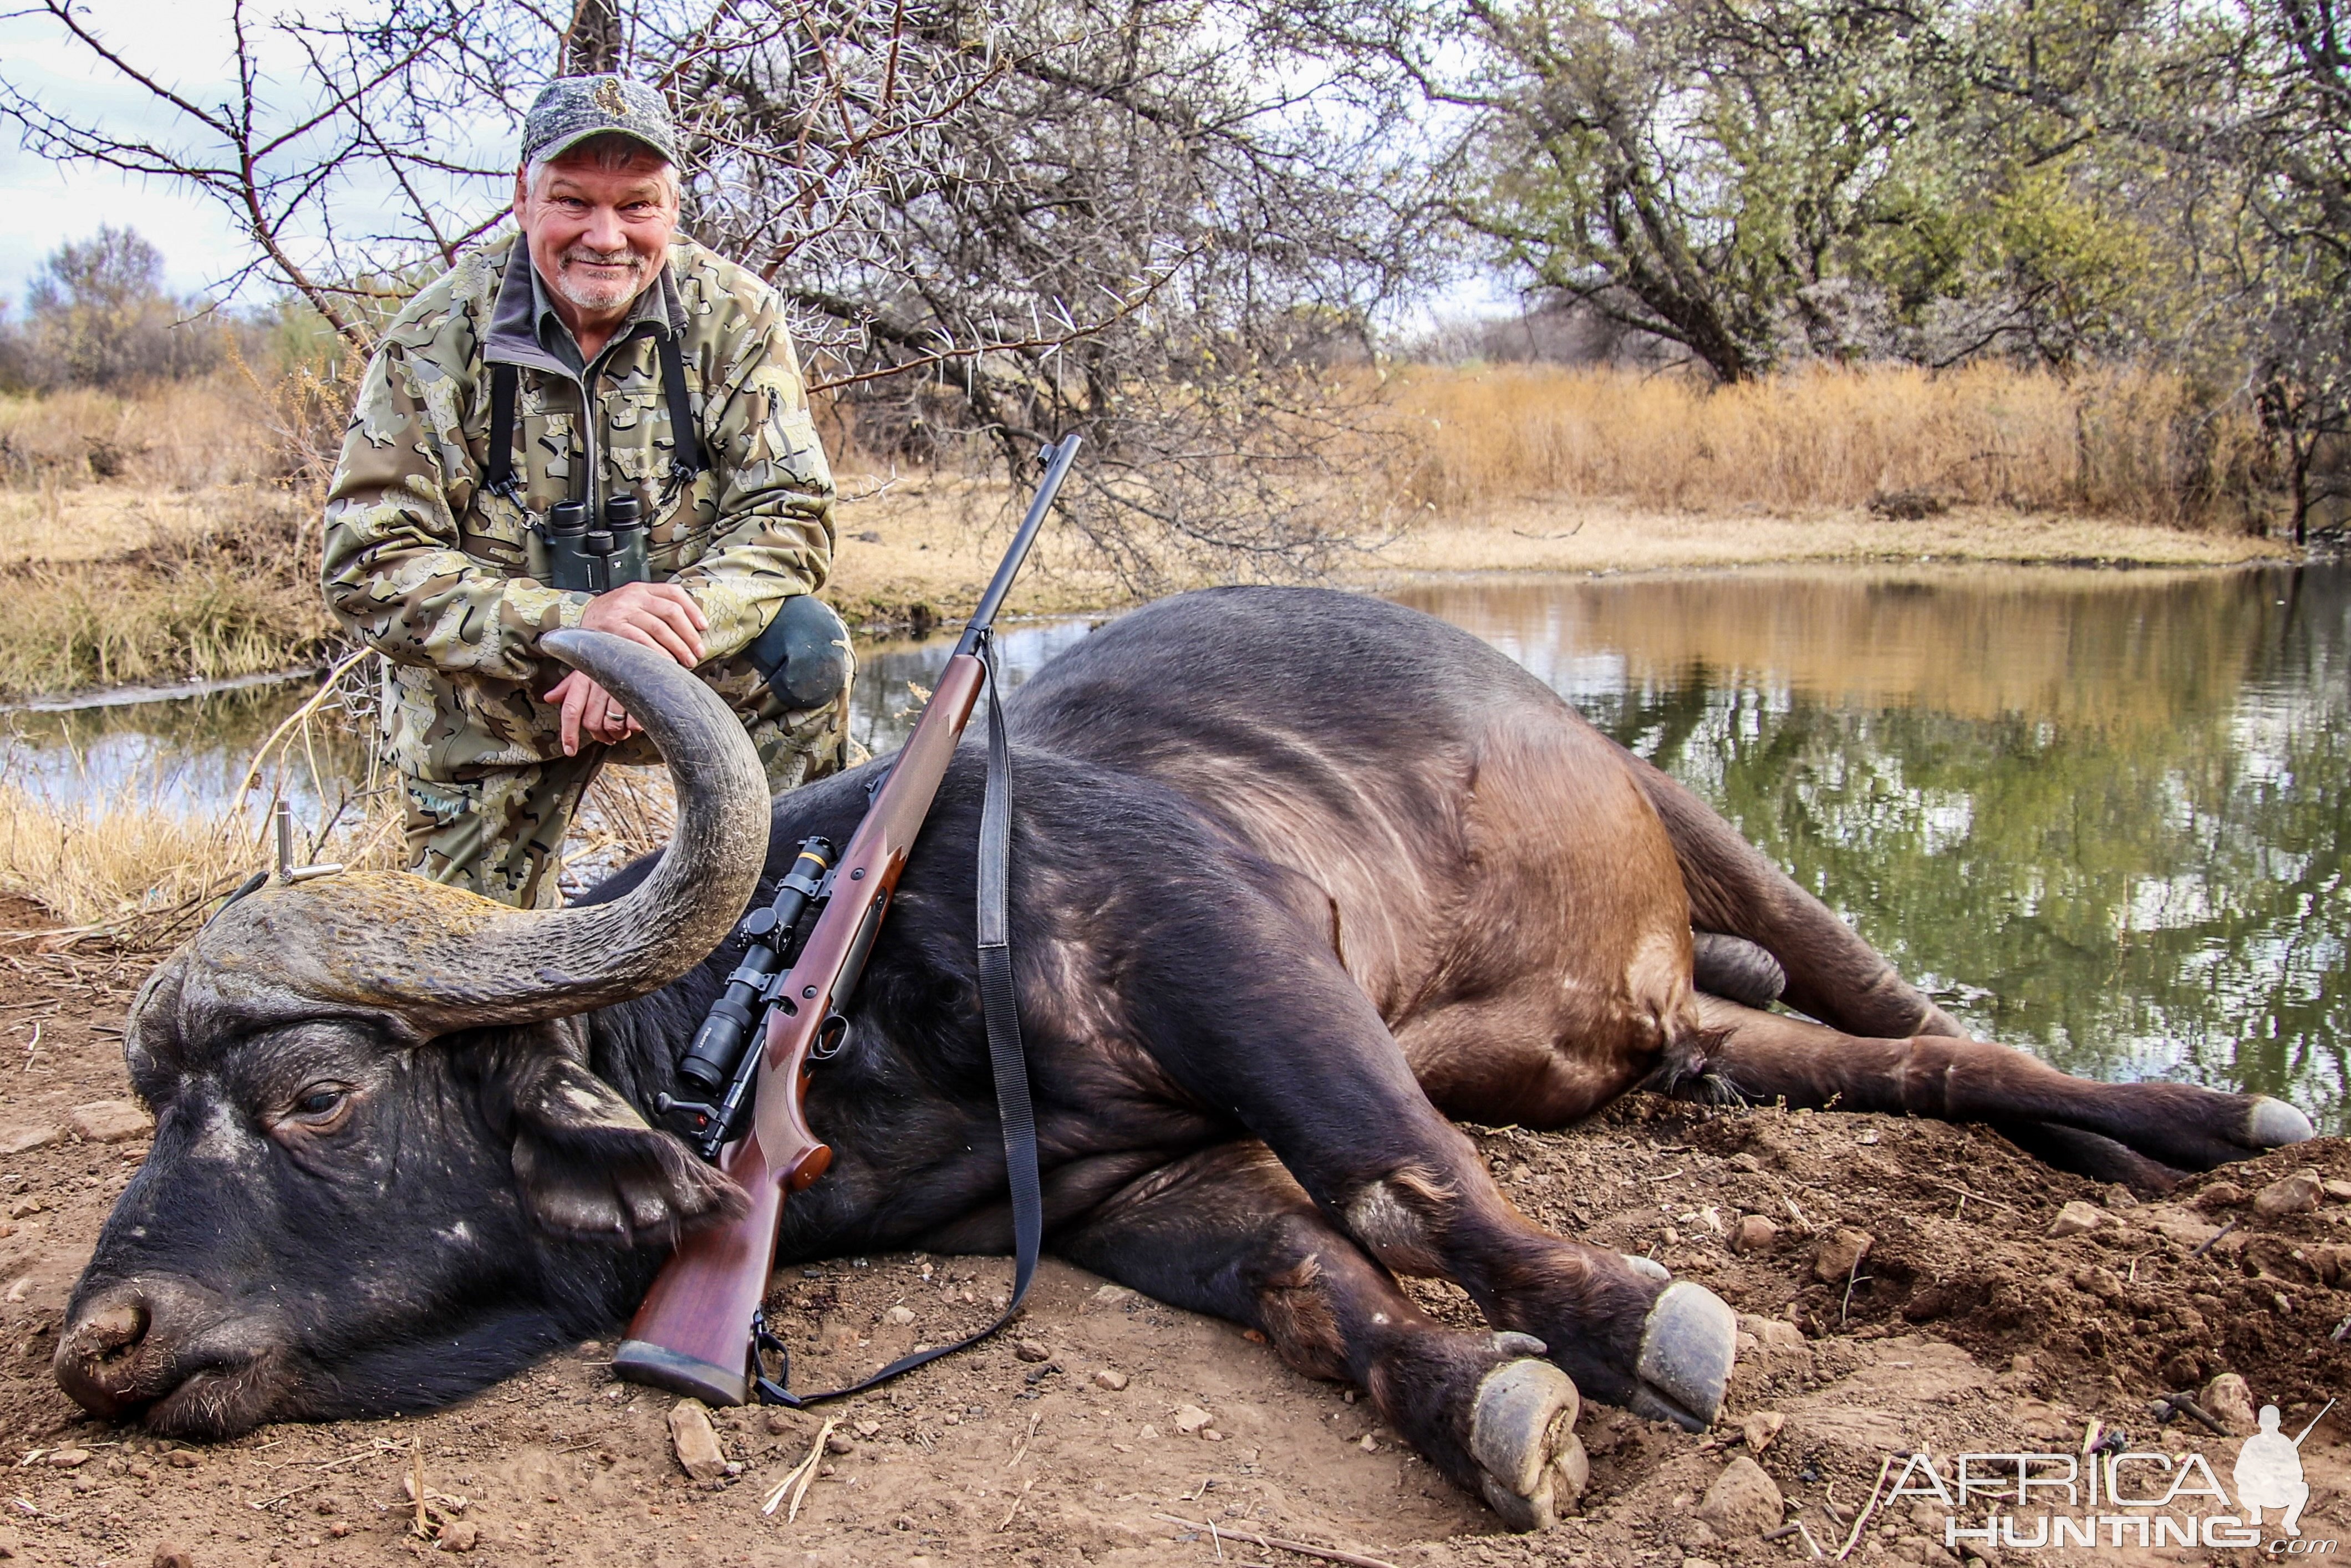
x=604 y=231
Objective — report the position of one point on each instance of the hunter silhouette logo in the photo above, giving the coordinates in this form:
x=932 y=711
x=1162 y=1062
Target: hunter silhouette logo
x=2268 y=1473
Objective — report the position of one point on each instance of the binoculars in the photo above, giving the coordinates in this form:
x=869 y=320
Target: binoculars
x=583 y=556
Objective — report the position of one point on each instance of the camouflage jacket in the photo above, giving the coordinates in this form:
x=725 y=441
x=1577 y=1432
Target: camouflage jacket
x=434 y=569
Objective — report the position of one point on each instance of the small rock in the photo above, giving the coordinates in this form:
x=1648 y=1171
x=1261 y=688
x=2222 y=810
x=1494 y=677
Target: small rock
x=2117 y=1196
x=837 y=1444
x=2075 y=1219
x=1697 y=1562
x=69 y=1458
x=1030 y=1350
x=1927 y=1518
x=24 y=1207
x=2220 y=1195
x=1369 y=1444
x=1841 y=1252
x=1112 y=1295
x=1755 y=1234
x=899 y=1316
x=2289 y=1195
x=182 y=1460
x=338 y=1530
x=1699 y=1534
x=2230 y=1399
x=869 y=1430
x=24 y=1140
x=172 y=1555
x=2337 y=1191
x=1148 y=1433
x=1190 y=1419
x=696 y=1444
x=1110 y=1377
x=462 y=1536
x=1760 y=1428
x=1777 y=1332
x=110 y=1121
x=1743 y=1502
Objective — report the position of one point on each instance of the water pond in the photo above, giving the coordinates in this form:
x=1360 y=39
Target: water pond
x=2100 y=815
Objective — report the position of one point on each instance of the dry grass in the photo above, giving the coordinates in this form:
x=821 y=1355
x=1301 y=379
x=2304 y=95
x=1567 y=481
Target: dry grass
x=235 y=598
x=182 y=436
x=2108 y=443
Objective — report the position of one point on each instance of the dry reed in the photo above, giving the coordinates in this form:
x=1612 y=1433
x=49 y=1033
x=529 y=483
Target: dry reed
x=2105 y=443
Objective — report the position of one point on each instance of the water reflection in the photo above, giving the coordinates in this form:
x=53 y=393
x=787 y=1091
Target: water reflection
x=2100 y=815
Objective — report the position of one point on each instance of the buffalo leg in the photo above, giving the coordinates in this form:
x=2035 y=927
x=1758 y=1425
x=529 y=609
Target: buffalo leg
x=1228 y=1232
x=1831 y=974
x=1765 y=1056
x=1295 y=1047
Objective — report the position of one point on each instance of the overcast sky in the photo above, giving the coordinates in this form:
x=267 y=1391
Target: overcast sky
x=186 y=45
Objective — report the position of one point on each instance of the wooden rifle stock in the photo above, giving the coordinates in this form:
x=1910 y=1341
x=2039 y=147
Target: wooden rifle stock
x=692 y=1334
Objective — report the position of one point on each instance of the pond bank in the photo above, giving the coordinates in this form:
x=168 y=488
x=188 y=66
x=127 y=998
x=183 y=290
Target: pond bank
x=225 y=592
x=916 y=551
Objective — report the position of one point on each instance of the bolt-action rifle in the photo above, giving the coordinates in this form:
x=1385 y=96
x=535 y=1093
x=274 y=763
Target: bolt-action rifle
x=699 y=1330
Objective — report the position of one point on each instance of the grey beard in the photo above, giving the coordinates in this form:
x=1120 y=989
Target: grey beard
x=598 y=297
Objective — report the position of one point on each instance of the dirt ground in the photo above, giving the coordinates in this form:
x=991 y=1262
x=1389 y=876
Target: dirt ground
x=1964 y=1329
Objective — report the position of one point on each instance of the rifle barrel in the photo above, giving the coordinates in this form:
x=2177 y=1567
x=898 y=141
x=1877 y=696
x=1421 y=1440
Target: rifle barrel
x=1057 y=464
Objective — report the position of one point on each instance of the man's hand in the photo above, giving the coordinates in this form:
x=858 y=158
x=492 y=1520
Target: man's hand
x=589 y=707
x=659 y=614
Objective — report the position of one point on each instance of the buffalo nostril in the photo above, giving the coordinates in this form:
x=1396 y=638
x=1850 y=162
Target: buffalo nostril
x=100 y=1357
x=116 y=1328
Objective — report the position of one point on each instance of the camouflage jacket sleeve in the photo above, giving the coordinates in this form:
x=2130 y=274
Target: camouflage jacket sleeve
x=394 y=570
x=773 y=491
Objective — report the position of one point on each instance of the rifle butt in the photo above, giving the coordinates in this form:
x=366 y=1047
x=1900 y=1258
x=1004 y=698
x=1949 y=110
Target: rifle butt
x=692 y=1334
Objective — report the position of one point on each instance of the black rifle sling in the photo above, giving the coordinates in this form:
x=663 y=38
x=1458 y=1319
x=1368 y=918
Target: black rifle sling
x=999 y=1007
x=499 y=478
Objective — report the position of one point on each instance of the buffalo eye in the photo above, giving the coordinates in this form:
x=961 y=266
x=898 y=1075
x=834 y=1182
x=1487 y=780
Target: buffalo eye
x=322 y=1107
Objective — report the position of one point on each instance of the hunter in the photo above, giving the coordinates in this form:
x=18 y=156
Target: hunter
x=594 y=421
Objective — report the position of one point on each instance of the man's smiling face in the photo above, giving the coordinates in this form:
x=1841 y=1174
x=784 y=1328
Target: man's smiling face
x=598 y=228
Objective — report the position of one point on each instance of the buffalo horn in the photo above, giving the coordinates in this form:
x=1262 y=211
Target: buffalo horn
x=433 y=958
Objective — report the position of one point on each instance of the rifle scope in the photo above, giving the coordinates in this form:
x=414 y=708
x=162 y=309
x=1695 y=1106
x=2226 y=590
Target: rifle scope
x=719 y=1043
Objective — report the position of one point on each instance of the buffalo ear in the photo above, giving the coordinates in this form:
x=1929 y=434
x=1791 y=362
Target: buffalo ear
x=590 y=1169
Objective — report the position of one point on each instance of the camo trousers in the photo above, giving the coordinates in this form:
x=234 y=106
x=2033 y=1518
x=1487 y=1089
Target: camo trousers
x=498 y=830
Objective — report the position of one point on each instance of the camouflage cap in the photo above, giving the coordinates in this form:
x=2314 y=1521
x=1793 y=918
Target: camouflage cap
x=572 y=109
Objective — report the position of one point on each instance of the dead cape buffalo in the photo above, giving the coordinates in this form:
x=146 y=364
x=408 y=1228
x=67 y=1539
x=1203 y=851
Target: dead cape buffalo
x=1297 y=877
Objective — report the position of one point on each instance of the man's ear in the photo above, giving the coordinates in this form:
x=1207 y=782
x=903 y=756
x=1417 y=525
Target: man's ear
x=589 y=1168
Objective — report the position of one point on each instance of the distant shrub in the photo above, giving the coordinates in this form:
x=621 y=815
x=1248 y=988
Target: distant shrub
x=97 y=315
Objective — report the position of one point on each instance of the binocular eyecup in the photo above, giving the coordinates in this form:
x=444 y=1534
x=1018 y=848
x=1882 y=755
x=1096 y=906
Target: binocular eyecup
x=582 y=556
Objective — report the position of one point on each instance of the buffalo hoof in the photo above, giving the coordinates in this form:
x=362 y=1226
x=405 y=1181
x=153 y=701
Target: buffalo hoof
x=1648 y=1268
x=1522 y=1435
x=2273 y=1122
x=1687 y=1348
